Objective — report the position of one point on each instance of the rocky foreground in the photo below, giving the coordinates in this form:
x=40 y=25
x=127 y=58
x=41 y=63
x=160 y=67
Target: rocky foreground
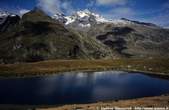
x=159 y=101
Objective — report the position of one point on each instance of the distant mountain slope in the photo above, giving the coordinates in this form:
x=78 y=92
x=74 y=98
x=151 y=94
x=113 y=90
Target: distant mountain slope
x=86 y=19
x=133 y=39
x=38 y=37
x=126 y=38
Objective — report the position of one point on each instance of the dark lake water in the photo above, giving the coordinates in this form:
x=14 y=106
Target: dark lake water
x=70 y=88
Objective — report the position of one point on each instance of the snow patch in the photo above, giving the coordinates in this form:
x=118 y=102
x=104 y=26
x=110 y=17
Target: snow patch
x=120 y=22
x=84 y=25
x=4 y=14
x=69 y=19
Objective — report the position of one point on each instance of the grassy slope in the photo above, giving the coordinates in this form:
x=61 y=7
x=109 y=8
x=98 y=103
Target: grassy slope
x=154 y=66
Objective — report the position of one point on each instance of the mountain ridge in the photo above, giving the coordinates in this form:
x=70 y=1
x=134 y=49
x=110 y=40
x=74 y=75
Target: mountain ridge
x=126 y=38
x=36 y=37
x=85 y=16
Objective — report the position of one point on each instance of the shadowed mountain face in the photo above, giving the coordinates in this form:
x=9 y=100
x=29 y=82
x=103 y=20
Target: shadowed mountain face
x=38 y=37
x=136 y=40
x=8 y=21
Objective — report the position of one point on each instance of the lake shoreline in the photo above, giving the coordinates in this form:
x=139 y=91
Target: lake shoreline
x=154 y=67
x=151 y=74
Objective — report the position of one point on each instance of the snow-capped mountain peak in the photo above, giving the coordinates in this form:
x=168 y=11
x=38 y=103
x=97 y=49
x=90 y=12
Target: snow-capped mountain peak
x=60 y=17
x=3 y=13
x=85 y=13
x=89 y=16
x=86 y=19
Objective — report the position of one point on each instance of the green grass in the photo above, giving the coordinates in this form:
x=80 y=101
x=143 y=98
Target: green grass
x=151 y=66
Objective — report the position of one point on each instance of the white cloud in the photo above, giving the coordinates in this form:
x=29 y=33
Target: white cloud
x=91 y=3
x=23 y=11
x=67 y=7
x=120 y=9
x=56 y=6
x=111 y=2
x=50 y=6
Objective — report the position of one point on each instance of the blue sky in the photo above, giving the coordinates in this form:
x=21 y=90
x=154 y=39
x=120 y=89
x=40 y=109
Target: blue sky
x=155 y=11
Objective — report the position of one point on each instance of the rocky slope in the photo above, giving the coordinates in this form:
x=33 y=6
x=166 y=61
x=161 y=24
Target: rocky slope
x=126 y=38
x=38 y=37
